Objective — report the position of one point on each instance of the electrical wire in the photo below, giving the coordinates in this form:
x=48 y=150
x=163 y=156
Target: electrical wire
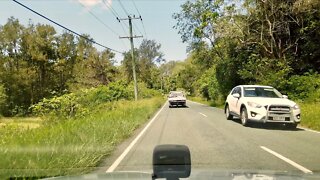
x=144 y=29
x=99 y=20
x=115 y=14
x=136 y=28
x=91 y=40
x=124 y=9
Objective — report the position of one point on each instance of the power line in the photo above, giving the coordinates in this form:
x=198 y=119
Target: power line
x=110 y=7
x=144 y=29
x=124 y=9
x=114 y=13
x=91 y=40
x=135 y=6
x=98 y=19
x=136 y=27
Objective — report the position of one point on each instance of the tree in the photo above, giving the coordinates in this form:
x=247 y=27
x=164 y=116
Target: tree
x=257 y=41
x=92 y=68
x=147 y=57
x=39 y=45
x=37 y=63
x=65 y=61
x=14 y=74
x=195 y=22
x=3 y=99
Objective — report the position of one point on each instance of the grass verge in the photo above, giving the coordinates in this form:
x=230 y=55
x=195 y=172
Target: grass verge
x=75 y=146
x=21 y=122
x=310 y=116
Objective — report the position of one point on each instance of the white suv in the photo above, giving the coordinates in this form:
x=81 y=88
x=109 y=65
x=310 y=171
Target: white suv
x=262 y=104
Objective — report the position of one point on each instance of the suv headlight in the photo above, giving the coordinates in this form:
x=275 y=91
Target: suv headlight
x=295 y=107
x=254 y=105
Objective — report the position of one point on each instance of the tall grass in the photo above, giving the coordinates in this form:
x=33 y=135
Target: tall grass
x=74 y=146
x=310 y=115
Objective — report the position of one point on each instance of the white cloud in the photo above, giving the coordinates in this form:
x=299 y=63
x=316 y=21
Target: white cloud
x=91 y=3
x=108 y=3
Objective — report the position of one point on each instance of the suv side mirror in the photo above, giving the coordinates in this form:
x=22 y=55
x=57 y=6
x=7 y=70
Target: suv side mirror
x=236 y=95
x=285 y=96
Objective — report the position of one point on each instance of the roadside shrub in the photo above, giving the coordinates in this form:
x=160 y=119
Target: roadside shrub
x=304 y=87
x=113 y=92
x=3 y=98
x=66 y=106
x=265 y=71
x=209 y=87
x=143 y=91
x=78 y=104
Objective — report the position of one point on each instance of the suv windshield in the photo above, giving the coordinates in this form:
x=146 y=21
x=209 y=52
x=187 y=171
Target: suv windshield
x=261 y=92
x=176 y=94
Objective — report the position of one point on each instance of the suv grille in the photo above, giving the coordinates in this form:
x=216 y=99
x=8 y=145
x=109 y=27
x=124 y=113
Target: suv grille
x=279 y=108
x=279 y=113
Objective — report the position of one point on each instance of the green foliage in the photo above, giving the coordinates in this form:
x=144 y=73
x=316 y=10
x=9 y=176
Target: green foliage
x=37 y=63
x=208 y=85
x=79 y=104
x=304 y=87
x=258 y=42
x=196 y=19
x=265 y=71
x=310 y=114
x=60 y=108
x=75 y=146
x=3 y=98
x=146 y=57
x=145 y=92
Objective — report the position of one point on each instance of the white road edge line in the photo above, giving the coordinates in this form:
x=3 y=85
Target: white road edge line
x=310 y=130
x=203 y=114
x=126 y=151
x=296 y=165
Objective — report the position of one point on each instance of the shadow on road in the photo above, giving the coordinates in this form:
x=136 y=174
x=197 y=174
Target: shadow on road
x=269 y=126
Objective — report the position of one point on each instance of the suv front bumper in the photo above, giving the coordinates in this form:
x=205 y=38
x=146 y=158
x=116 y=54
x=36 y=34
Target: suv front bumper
x=266 y=114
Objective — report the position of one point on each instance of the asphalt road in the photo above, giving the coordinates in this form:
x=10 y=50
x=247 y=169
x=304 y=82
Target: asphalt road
x=219 y=144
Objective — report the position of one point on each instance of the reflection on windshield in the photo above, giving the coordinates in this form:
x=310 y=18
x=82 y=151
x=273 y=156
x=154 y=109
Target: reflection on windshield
x=261 y=92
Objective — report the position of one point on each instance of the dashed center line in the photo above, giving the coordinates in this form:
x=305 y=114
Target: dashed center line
x=296 y=165
x=203 y=114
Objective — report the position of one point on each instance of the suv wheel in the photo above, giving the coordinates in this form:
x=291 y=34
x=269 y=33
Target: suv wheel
x=244 y=117
x=228 y=115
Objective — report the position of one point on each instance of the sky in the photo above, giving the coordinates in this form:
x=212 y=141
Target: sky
x=75 y=15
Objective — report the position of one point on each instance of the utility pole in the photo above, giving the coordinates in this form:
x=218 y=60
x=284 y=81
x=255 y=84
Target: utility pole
x=132 y=52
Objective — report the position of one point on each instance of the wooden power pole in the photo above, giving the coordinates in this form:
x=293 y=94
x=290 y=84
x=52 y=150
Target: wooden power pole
x=130 y=37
